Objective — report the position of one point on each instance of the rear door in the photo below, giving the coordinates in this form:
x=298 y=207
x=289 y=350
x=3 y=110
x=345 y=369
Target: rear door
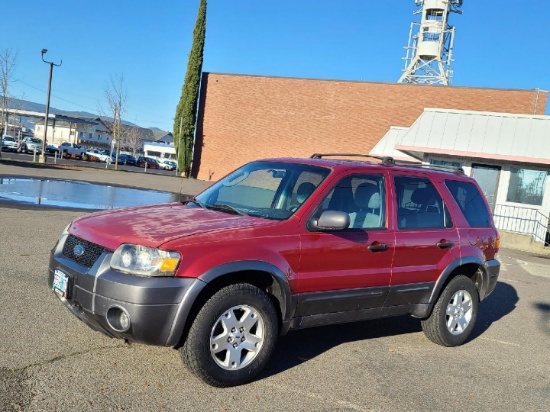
x=426 y=240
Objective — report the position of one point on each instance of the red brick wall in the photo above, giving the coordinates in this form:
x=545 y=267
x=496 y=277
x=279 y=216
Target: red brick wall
x=242 y=118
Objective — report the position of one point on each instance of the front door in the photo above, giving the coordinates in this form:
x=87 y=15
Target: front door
x=487 y=178
x=350 y=269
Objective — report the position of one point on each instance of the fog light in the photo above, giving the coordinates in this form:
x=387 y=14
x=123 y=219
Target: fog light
x=118 y=319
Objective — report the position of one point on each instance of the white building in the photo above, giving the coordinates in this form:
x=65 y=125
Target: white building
x=508 y=155
x=86 y=131
x=159 y=150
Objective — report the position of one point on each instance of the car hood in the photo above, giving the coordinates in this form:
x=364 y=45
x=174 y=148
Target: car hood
x=155 y=225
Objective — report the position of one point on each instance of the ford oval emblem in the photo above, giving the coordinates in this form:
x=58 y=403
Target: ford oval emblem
x=78 y=250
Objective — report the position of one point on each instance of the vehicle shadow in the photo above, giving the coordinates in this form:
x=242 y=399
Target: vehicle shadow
x=300 y=346
x=544 y=309
x=500 y=303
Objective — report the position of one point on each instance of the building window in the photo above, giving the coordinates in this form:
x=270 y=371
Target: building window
x=38 y=128
x=80 y=134
x=72 y=133
x=444 y=163
x=526 y=186
x=89 y=135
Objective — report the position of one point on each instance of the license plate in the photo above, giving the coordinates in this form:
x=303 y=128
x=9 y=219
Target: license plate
x=60 y=283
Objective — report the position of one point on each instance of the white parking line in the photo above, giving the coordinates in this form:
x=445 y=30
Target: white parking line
x=500 y=279
x=500 y=341
x=322 y=398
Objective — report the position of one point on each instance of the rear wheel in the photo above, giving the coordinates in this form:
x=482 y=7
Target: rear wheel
x=454 y=314
x=232 y=337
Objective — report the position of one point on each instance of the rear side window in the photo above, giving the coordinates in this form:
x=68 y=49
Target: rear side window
x=470 y=202
x=419 y=205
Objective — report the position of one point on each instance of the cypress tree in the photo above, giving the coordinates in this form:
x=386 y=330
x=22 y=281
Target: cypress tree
x=186 y=112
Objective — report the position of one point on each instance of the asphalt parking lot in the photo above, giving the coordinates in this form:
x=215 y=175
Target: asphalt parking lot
x=53 y=160
x=50 y=361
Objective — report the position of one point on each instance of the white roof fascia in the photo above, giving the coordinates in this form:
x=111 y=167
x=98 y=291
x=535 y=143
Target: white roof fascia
x=386 y=145
x=499 y=136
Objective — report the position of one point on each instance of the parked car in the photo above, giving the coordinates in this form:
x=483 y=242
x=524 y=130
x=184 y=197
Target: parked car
x=9 y=143
x=72 y=150
x=124 y=159
x=168 y=164
x=279 y=245
x=98 y=155
x=127 y=159
x=31 y=145
x=151 y=163
x=52 y=149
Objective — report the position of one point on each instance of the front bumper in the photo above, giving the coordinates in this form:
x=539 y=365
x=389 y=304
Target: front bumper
x=157 y=307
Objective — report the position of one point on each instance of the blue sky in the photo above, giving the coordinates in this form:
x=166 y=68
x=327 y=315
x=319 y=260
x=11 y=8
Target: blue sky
x=498 y=44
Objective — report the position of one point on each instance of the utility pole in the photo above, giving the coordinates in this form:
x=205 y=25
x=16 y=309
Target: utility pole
x=117 y=131
x=42 y=158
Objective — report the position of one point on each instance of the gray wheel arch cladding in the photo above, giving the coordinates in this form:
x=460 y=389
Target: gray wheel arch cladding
x=445 y=275
x=285 y=298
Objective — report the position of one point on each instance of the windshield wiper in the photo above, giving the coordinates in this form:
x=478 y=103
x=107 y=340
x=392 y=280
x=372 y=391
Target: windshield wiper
x=226 y=208
x=197 y=202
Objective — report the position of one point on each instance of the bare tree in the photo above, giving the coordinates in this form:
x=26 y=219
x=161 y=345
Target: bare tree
x=133 y=138
x=8 y=64
x=115 y=97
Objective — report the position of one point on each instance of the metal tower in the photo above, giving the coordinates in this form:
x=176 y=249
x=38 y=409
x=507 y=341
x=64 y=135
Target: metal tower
x=430 y=47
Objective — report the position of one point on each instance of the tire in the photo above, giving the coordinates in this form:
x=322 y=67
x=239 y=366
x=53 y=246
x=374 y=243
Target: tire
x=240 y=317
x=454 y=314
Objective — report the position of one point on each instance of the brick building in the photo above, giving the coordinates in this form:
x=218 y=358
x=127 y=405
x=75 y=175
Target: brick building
x=242 y=118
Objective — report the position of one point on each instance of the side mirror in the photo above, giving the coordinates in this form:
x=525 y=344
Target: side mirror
x=330 y=220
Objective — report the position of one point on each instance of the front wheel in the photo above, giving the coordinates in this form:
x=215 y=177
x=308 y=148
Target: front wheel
x=232 y=336
x=454 y=314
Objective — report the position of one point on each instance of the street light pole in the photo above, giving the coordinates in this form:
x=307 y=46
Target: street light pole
x=42 y=158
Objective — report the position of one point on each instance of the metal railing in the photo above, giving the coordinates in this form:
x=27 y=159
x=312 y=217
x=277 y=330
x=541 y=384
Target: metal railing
x=524 y=220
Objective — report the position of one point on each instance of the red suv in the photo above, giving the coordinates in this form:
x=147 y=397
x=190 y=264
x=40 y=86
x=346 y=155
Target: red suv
x=282 y=244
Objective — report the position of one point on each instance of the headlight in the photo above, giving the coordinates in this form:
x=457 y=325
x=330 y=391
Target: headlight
x=63 y=235
x=65 y=231
x=145 y=261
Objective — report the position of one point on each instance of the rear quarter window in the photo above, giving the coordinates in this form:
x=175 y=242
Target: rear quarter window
x=471 y=203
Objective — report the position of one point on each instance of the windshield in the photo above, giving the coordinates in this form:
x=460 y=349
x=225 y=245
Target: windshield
x=272 y=190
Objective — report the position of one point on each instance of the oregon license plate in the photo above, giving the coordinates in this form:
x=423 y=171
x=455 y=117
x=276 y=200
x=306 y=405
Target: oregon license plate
x=60 y=283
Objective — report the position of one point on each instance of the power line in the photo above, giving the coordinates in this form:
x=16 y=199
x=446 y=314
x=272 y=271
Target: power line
x=88 y=108
x=57 y=97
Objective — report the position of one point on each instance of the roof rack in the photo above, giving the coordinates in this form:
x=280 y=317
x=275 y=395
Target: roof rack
x=387 y=160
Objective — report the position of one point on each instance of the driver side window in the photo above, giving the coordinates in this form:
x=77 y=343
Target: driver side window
x=362 y=197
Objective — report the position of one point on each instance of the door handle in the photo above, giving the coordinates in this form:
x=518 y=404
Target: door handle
x=377 y=246
x=444 y=244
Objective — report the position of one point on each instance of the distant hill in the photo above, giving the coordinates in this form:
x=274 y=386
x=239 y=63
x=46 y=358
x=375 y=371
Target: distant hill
x=38 y=107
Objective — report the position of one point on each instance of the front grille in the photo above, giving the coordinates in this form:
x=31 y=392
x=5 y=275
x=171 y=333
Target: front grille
x=91 y=251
